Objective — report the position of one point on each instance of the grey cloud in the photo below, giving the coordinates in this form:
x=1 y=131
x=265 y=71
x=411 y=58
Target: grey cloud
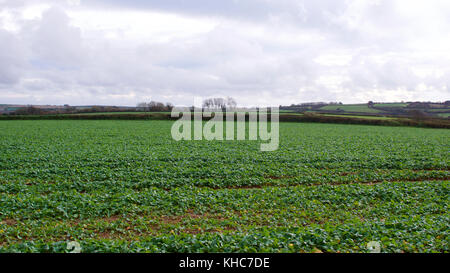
x=12 y=58
x=55 y=42
x=50 y=58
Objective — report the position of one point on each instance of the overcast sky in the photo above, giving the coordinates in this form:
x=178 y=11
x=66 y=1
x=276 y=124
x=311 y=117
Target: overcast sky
x=261 y=52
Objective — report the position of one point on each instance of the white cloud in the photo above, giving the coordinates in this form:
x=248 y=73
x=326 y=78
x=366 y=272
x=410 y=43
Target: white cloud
x=12 y=59
x=266 y=52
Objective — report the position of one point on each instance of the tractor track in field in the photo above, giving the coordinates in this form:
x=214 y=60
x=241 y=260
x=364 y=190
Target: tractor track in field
x=368 y=183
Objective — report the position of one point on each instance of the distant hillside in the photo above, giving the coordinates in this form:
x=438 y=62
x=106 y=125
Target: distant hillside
x=382 y=109
x=369 y=113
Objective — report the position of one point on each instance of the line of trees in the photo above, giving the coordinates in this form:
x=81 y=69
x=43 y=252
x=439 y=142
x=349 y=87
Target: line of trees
x=33 y=110
x=154 y=106
x=220 y=103
x=36 y=110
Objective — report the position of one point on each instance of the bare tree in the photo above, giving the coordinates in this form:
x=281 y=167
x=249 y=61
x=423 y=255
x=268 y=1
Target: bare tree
x=231 y=103
x=154 y=106
x=208 y=103
x=219 y=103
x=169 y=106
x=142 y=106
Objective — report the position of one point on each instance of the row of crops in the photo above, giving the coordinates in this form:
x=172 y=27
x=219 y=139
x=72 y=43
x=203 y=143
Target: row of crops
x=126 y=186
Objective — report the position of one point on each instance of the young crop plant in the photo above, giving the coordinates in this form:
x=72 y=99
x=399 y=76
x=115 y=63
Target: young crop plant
x=127 y=186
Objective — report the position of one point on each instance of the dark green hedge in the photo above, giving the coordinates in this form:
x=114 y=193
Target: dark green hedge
x=430 y=123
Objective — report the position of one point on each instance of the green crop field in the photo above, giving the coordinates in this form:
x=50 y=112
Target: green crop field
x=444 y=115
x=126 y=186
x=360 y=116
x=439 y=110
x=399 y=104
x=361 y=108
